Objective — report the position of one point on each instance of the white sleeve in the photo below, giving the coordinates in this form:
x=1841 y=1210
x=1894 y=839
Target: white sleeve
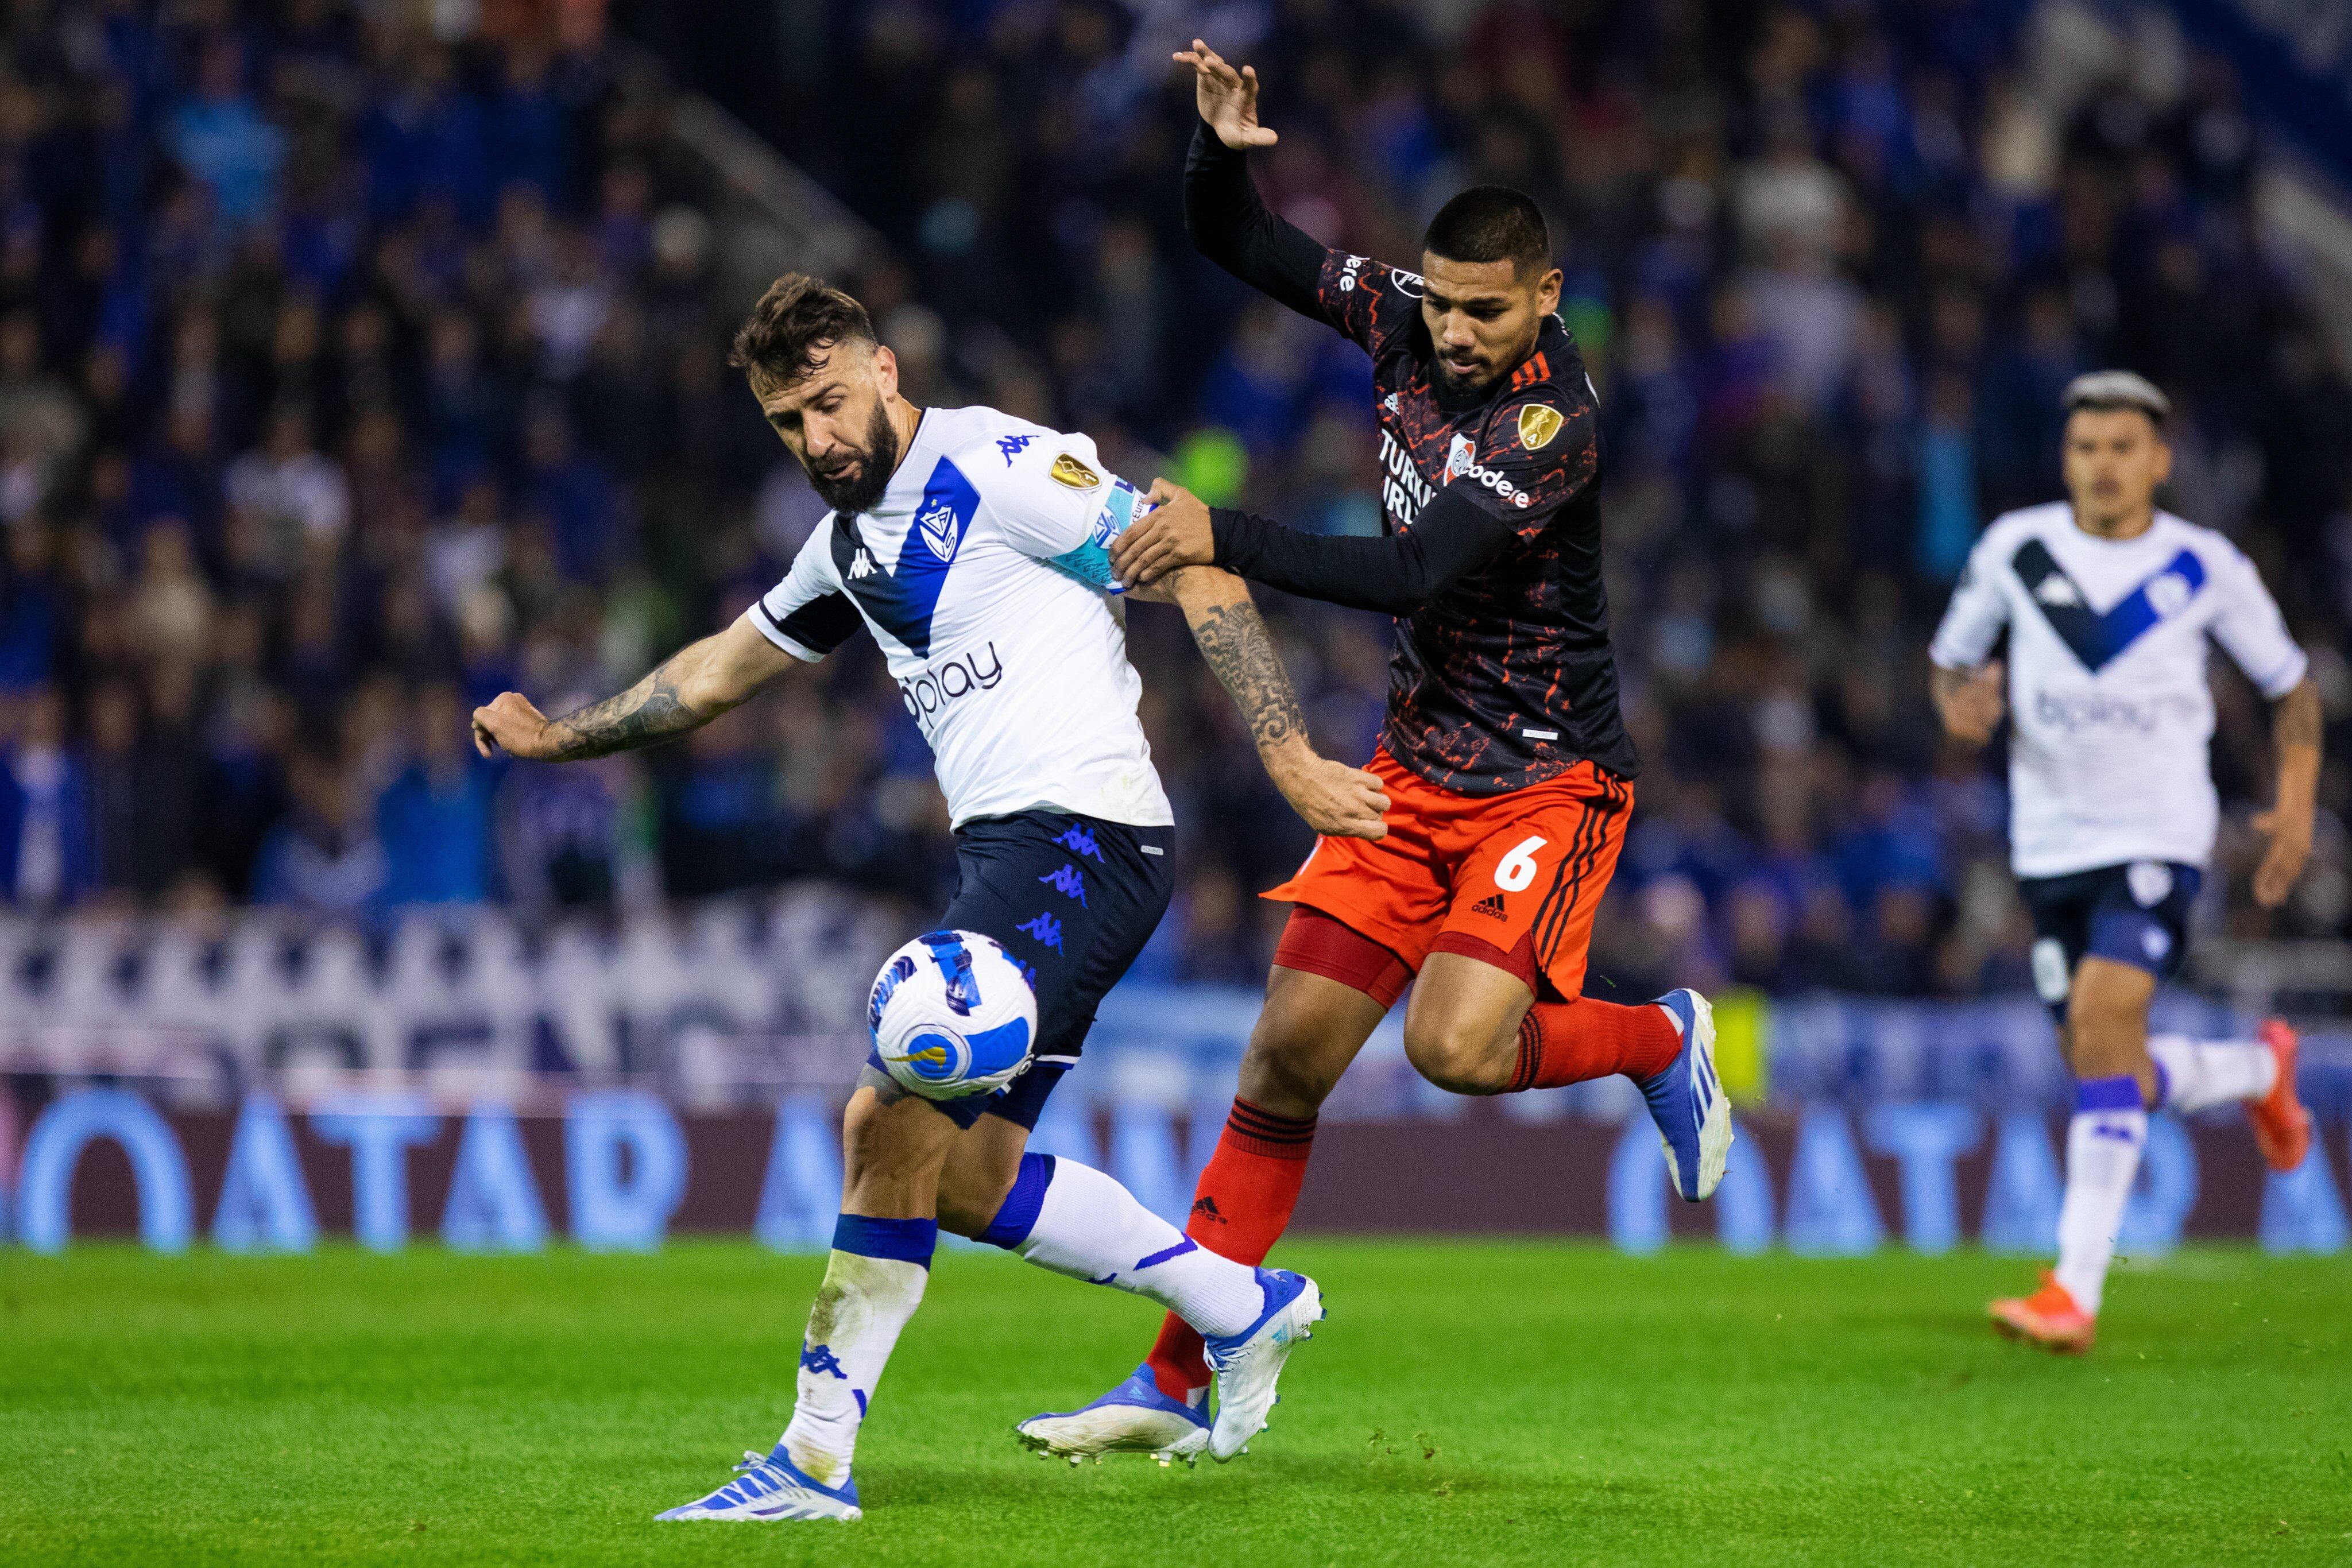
x=1973 y=621
x=1056 y=502
x=2250 y=628
x=808 y=615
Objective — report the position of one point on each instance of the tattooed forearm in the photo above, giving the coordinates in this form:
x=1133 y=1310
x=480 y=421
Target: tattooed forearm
x=2296 y=720
x=647 y=714
x=1240 y=651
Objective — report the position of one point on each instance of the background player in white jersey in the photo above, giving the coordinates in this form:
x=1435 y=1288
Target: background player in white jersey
x=970 y=543
x=2108 y=604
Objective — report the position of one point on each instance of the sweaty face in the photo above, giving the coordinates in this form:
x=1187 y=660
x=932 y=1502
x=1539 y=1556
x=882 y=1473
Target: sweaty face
x=2115 y=459
x=836 y=421
x=1482 y=316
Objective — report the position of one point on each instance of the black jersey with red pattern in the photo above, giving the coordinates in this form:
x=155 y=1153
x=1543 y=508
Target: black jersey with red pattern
x=1505 y=679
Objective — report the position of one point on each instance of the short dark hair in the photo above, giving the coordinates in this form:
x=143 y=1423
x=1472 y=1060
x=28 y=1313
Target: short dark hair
x=795 y=322
x=2111 y=391
x=1491 y=223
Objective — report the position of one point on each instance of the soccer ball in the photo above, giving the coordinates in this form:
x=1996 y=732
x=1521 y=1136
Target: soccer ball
x=952 y=1014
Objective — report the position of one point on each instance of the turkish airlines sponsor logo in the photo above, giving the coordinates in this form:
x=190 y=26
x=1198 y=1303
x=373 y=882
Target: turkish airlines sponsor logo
x=1404 y=492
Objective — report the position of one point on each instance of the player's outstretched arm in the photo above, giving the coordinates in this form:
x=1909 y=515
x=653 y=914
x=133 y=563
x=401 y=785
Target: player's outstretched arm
x=1332 y=798
x=2295 y=730
x=1394 y=575
x=691 y=688
x=1970 y=702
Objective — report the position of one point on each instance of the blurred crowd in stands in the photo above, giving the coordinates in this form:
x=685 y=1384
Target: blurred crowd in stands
x=350 y=373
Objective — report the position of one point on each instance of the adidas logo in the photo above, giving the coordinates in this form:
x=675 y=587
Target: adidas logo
x=1390 y=403
x=1208 y=1206
x=1490 y=904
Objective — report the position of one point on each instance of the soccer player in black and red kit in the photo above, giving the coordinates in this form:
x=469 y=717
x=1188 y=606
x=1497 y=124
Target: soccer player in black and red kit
x=1508 y=771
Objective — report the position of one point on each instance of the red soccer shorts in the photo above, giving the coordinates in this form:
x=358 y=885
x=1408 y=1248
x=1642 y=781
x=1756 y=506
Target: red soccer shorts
x=1511 y=880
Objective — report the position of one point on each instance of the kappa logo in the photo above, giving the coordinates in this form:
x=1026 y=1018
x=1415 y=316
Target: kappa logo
x=938 y=530
x=1539 y=423
x=1044 y=929
x=1490 y=904
x=864 y=565
x=2057 y=591
x=820 y=1358
x=1013 y=446
x=1068 y=470
x=1069 y=881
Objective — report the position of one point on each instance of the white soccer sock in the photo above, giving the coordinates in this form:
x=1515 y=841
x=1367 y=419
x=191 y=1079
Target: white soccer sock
x=860 y=1309
x=2103 y=1148
x=1092 y=1228
x=2202 y=1073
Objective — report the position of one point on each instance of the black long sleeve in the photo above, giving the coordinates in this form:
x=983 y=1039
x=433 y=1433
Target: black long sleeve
x=1395 y=575
x=1230 y=226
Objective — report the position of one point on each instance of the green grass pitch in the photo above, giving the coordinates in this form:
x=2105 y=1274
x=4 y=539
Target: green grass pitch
x=1467 y=1402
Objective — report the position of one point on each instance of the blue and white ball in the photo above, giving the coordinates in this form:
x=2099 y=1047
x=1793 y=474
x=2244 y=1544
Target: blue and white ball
x=952 y=1014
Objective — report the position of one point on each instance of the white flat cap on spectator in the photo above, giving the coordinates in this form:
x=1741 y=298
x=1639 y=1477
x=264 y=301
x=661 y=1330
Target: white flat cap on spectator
x=2106 y=390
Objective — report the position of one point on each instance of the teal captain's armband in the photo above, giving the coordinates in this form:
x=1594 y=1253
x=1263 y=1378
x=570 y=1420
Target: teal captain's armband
x=1090 y=562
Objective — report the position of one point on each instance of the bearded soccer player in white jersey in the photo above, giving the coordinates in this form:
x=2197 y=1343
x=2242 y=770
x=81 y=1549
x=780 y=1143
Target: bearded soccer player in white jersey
x=971 y=544
x=2108 y=604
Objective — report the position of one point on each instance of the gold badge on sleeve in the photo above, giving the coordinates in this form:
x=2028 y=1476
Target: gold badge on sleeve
x=1068 y=470
x=1539 y=423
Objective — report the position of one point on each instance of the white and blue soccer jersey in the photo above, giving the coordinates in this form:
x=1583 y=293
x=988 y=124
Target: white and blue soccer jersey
x=982 y=573
x=2107 y=691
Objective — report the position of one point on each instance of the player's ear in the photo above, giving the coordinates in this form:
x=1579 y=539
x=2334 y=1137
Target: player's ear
x=886 y=370
x=1548 y=291
x=2163 y=458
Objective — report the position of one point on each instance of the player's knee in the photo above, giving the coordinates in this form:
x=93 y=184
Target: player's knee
x=1278 y=1076
x=2107 y=1019
x=1456 y=1053
x=968 y=1202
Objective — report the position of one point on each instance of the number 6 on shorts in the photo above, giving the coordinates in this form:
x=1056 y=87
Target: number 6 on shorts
x=1516 y=870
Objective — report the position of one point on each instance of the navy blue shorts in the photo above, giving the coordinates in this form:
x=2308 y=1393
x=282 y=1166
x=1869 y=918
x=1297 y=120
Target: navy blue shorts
x=2136 y=914
x=1075 y=898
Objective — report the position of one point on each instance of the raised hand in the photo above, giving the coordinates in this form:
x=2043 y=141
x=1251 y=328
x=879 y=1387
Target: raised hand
x=1228 y=98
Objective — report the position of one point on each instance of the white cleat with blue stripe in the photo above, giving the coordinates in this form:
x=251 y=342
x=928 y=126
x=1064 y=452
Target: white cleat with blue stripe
x=769 y=1487
x=1133 y=1418
x=1687 y=1101
x=1247 y=1364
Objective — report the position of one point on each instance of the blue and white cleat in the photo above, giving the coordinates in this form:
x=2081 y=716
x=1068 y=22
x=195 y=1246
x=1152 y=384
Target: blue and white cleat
x=1687 y=1101
x=1247 y=1364
x=769 y=1487
x=1133 y=1418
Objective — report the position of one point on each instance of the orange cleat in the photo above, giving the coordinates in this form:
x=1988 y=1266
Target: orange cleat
x=2048 y=1318
x=2281 y=1122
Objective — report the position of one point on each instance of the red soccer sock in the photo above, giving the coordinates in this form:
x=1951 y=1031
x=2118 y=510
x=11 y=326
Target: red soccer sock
x=1240 y=1209
x=1573 y=1041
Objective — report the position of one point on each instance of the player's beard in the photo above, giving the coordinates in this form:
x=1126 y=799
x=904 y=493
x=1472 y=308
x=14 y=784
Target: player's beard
x=875 y=462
